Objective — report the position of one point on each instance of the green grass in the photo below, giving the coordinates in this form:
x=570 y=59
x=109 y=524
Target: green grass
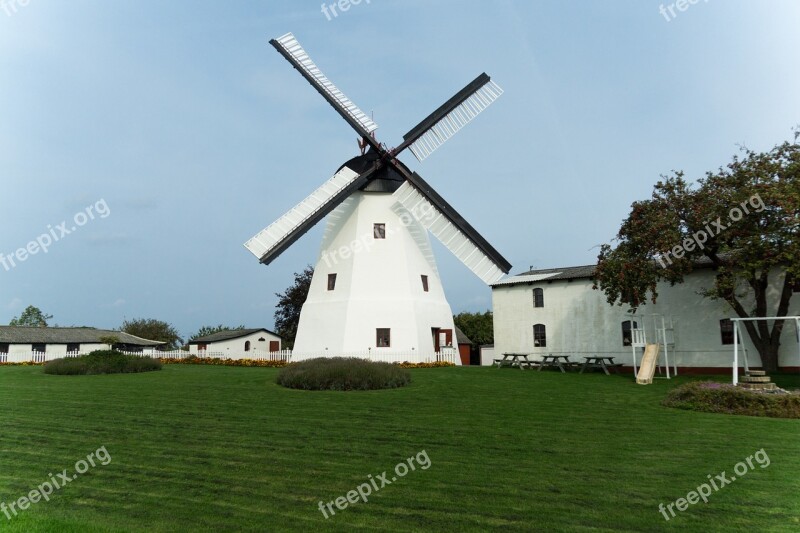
x=223 y=448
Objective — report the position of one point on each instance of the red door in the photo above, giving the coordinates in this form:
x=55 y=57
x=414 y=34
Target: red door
x=274 y=346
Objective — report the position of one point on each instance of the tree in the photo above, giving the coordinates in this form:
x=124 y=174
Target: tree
x=287 y=312
x=155 y=330
x=743 y=221
x=479 y=327
x=111 y=340
x=210 y=330
x=31 y=316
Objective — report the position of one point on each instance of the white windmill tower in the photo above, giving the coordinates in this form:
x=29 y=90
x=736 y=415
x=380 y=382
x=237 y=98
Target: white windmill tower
x=376 y=288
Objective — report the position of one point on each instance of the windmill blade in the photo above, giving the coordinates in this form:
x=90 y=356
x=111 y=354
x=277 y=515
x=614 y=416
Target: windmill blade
x=444 y=222
x=450 y=117
x=290 y=48
x=278 y=236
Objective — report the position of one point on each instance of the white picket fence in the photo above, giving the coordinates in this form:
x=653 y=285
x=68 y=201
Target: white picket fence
x=449 y=355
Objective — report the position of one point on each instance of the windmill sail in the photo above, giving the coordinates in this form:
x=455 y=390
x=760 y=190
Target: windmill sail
x=275 y=238
x=290 y=48
x=450 y=117
x=452 y=230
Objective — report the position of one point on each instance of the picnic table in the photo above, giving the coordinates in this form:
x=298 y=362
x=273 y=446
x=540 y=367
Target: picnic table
x=600 y=362
x=514 y=359
x=555 y=361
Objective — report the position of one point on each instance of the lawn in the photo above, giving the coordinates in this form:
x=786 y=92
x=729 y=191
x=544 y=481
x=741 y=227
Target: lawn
x=223 y=448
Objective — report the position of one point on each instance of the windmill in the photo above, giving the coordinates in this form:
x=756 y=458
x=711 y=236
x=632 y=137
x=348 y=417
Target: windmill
x=376 y=288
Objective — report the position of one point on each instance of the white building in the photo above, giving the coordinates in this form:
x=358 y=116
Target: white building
x=557 y=311
x=237 y=343
x=376 y=290
x=24 y=343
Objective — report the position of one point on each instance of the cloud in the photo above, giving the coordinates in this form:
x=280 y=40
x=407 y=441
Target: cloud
x=119 y=302
x=14 y=303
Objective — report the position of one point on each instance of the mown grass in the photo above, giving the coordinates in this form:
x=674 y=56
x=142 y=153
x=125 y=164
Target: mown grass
x=227 y=449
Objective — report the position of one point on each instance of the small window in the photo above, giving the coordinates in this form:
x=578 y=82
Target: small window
x=538 y=298
x=424 y=283
x=539 y=336
x=3 y=347
x=331 y=281
x=726 y=331
x=383 y=339
x=627 y=338
x=202 y=346
x=262 y=339
x=73 y=348
x=379 y=231
x=39 y=347
x=247 y=346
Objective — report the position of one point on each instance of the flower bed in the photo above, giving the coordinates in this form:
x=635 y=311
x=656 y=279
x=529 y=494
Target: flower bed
x=713 y=397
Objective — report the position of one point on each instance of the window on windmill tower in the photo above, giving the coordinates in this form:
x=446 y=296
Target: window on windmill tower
x=796 y=284
x=627 y=337
x=424 y=283
x=383 y=337
x=331 y=281
x=247 y=346
x=538 y=298
x=539 y=336
x=379 y=230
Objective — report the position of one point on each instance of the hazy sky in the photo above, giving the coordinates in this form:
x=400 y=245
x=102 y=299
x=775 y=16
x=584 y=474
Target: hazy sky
x=187 y=133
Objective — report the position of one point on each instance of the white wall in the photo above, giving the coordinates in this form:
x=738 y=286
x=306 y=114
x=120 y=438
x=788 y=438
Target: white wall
x=236 y=346
x=580 y=322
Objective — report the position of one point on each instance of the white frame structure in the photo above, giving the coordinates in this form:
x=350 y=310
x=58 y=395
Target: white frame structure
x=736 y=340
x=639 y=338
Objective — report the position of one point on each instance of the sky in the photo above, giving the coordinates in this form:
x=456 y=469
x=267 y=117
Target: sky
x=169 y=133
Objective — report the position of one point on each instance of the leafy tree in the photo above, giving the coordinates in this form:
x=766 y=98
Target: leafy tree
x=31 y=316
x=156 y=330
x=479 y=327
x=111 y=340
x=287 y=313
x=210 y=330
x=743 y=220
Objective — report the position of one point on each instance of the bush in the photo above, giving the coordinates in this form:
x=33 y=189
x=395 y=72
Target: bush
x=712 y=397
x=101 y=362
x=343 y=373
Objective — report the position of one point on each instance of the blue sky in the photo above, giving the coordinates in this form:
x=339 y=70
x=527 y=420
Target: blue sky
x=196 y=134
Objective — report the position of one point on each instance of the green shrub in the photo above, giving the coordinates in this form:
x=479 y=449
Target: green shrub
x=101 y=362
x=712 y=397
x=343 y=373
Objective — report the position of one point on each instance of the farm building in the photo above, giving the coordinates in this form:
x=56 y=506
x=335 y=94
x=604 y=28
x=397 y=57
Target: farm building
x=237 y=343
x=465 y=347
x=22 y=343
x=556 y=311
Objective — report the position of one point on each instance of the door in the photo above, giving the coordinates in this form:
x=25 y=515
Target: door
x=436 y=345
x=274 y=346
